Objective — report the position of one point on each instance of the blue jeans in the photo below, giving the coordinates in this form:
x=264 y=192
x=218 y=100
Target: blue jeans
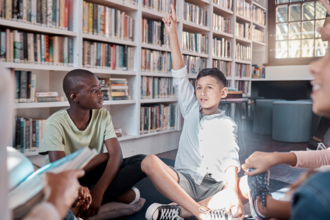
x=312 y=199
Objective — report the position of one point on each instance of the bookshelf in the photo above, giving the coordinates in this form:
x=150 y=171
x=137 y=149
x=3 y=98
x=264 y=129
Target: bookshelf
x=126 y=113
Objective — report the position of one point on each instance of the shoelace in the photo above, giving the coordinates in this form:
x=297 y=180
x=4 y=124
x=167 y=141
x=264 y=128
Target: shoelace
x=169 y=214
x=321 y=146
x=216 y=214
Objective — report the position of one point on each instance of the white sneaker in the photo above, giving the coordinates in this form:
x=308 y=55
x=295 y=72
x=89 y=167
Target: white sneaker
x=137 y=196
x=158 y=211
x=216 y=214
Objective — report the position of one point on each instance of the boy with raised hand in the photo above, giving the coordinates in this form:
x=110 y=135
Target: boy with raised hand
x=85 y=123
x=204 y=179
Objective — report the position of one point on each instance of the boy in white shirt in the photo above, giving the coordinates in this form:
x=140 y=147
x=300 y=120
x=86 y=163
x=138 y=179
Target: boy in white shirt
x=204 y=180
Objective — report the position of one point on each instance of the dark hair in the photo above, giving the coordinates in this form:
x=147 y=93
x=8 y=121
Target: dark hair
x=214 y=72
x=73 y=78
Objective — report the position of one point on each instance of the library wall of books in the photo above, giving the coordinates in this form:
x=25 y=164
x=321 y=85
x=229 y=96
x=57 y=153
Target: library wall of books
x=125 y=44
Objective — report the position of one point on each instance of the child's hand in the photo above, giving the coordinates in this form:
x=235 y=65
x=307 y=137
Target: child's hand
x=170 y=22
x=84 y=198
x=260 y=161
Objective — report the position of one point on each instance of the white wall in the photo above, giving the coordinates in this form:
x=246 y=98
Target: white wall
x=297 y=72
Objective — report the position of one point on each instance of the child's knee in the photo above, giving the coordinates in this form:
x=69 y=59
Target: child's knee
x=149 y=163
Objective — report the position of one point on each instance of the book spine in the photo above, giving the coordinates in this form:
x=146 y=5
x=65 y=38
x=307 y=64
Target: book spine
x=54 y=13
x=66 y=14
x=62 y=10
x=44 y=12
x=65 y=50
x=39 y=10
x=37 y=133
x=22 y=134
x=23 y=86
x=49 y=13
x=70 y=54
x=51 y=51
x=8 y=11
x=49 y=99
x=90 y=18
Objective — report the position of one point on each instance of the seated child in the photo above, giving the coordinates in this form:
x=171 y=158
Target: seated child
x=313 y=192
x=85 y=123
x=204 y=180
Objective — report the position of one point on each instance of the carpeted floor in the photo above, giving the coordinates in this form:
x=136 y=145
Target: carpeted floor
x=149 y=192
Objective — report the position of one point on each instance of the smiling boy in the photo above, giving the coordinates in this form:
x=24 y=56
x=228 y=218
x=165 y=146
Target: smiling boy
x=85 y=123
x=204 y=179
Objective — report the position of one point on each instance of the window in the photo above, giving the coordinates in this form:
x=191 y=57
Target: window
x=293 y=37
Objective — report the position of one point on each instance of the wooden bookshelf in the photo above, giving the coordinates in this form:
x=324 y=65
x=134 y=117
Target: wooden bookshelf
x=126 y=113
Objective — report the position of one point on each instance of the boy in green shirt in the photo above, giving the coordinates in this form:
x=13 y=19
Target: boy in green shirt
x=85 y=123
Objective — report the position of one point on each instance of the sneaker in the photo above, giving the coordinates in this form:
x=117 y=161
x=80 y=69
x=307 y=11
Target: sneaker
x=158 y=211
x=258 y=187
x=217 y=214
x=313 y=144
x=321 y=146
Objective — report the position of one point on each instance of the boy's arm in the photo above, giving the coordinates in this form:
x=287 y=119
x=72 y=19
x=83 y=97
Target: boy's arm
x=184 y=89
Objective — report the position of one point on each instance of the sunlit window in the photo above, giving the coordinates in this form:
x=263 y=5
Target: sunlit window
x=296 y=24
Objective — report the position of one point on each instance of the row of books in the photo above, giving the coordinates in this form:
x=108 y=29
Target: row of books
x=153 y=32
x=243 y=30
x=258 y=15
x=23 y=47
x=47 y=13
x=243 y=52
x=194 y=64
x=228 y=4
x=221 y=48
x=242 y=86
x=114 y=88
x=242 y=70
x=155 y=61
x=194 y=42
x=163 y=6
x=257 y=35
x=28 y=134
x=107 y=56
x=195 y=14
x=221 y=23
x=108 y=22
x=244 y=8
x=223 y=66
x=156 y=87
x=156 y=118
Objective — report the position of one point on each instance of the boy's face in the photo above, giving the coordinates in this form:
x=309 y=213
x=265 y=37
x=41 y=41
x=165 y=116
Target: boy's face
x=89 y=95
x=321 y=85
x=209 y=92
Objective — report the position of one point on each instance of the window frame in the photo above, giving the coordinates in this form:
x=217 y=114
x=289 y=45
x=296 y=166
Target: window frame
x=272 y=60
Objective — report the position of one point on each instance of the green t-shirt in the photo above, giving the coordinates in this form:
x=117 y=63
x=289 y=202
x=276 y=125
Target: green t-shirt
x=61 y=134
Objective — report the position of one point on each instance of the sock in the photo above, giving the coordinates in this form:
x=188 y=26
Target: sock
x=317 y=139
x=137 y=196
x=257 y=208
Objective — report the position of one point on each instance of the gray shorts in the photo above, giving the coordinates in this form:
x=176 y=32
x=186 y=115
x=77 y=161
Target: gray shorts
x=208 y=187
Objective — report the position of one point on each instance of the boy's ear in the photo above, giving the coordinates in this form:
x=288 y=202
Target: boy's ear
x=73 y=97
x=224 y=92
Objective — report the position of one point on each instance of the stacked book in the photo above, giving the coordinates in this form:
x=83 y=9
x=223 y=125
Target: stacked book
x=163 y=6
x=119 y=89
x=243 y=30
x=107 y=56
x=228 y=4
x=156 y=118
x=47 y=13
x=119 y=132
x=221 y=24
x=194 y=64
x=156 y=87
x=28 y=134
x=153 y=32
x=257 y=35
x=242 y=70
x=114 y=89
x=22 y=47
x=107 y=22
x=195 y=14
x=223 y=66
x=194 y=42
x=243 y=52
x=242 y=86
x=244 y=8
x=258 y=15
x=221 y=48
x=155 y=61
x=258 y=72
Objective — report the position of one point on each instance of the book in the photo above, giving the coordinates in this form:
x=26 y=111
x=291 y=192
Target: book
x=221 y=48
x=194 y=42
x=153 y=32
x=28 y=192
x=242 y=85
x=242 y=70
x=155 y=61
x=194 y=64
x=195 y=14
x=156 y=87
x=258 y=15
x=227 y=4
x=221 y=24
x=243 y=30
x=243 y=52
x=257 y=35
x=163 y=6
x=244 y=8
x=223 y=66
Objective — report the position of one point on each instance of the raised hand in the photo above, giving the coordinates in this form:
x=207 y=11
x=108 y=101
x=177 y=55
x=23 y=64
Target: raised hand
x=170 y=21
